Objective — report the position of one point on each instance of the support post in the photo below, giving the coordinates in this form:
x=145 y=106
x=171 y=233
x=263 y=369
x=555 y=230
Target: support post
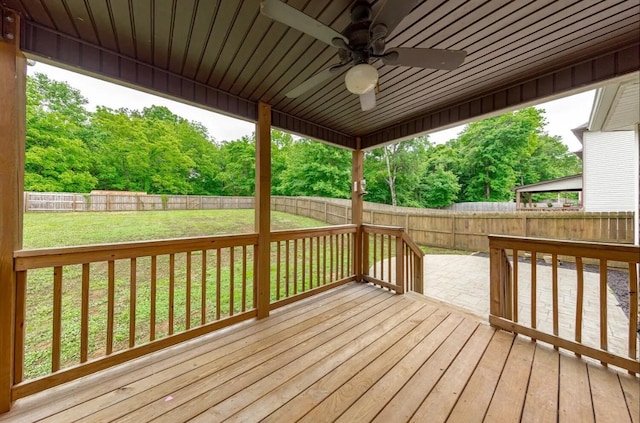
x=263 y=207
x=13 y=70
x=357 y=192
x=495 y=263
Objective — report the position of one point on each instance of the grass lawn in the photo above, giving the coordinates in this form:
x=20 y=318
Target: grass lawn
x=42 y=230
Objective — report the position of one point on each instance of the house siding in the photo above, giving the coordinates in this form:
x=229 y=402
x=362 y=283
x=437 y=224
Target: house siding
x=611 y=171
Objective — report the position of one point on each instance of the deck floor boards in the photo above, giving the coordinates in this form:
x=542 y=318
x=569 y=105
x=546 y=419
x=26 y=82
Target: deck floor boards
x=354 y=353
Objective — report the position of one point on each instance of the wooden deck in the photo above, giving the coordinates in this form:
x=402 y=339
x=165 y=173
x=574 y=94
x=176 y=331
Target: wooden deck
x=355 y=353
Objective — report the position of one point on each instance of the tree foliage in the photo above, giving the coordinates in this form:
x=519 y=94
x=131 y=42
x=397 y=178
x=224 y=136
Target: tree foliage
x=71 y=149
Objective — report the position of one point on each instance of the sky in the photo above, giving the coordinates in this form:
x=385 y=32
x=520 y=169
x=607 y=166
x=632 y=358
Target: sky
x=562 y=115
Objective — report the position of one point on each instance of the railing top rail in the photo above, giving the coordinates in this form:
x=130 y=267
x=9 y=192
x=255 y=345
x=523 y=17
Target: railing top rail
x=290 y=234
x=412 y=245
x=619 y=252
x=380 y=229
x=61 y=256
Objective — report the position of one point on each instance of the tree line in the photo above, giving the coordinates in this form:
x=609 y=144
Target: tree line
x=70 y=149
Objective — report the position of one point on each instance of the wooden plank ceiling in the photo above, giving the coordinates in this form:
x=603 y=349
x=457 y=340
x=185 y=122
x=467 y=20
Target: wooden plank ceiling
x=226 y=56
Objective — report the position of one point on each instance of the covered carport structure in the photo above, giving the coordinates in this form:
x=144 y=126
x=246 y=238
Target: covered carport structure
x=227 y=57
x=524 y=193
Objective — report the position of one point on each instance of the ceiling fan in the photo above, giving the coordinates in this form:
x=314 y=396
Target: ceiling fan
x=360 y=44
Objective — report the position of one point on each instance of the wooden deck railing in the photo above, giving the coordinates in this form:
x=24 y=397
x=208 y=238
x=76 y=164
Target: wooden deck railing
x=114 y=302
x=305 y=262
x=111 y=303
x=391 y=259
x=507 y=295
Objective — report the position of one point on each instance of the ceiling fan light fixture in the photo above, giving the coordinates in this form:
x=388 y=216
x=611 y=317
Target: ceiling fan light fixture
x=361 y=78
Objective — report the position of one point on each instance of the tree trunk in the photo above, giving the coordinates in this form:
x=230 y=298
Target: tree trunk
x=487 y=188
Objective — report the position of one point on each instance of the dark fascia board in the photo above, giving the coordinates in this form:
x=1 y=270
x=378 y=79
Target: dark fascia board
x=620 y=61
x=80 y=56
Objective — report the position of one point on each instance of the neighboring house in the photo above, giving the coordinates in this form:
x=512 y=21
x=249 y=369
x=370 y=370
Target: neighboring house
x=610 y=150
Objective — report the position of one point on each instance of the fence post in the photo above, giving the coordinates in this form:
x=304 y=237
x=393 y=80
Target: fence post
x=453 y=231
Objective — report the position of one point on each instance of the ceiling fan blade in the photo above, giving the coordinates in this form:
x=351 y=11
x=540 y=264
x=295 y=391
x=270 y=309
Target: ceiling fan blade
x=368 y=100
x=392 y=12
x=316 y=79
x=283 y=13
x=429 y=58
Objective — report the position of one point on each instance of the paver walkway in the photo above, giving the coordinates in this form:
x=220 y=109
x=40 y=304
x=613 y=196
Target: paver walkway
x=463 y=280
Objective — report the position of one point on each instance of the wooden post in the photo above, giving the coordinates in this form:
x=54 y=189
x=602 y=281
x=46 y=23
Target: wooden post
x=357 y=192
x=495 y=263
x=263 y=207
x=13 y=71
x=400 y=265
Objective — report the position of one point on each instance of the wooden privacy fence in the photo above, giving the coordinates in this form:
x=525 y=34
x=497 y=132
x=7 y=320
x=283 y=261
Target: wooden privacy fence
x=437 y=228
x=469 y=231
x=70 y=202
x=514 y=301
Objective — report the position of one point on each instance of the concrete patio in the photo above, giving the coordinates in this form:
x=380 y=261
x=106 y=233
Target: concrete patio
x=463 y=280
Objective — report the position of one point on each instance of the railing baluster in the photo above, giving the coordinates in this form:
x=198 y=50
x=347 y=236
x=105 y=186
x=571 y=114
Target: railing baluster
x=310 y=263
x=554 y=293
x=203 y=288
x=375 y=254
x=389 y=257
x=278 y=270
x=633 y=310
x=21 y=303
x=515 y=285
x=152 y=316
x=244 y=277
x=579 y=298
x=303 y=263
x=218 y=282
x=132 y=302
x=187 y=311
x=110 y=305
x=295 y=266
x=172 y=290
x=324 y=259
x=255 y=277
x=341 y=256
x=232 y=282
x=603 y=305
x=318 y=283
x=84 y=314
x=381 y=261
x=331 y=270
x=349 y=253
x=365 y=253
x=287 y=268
x=534 y=281
x=57 y=318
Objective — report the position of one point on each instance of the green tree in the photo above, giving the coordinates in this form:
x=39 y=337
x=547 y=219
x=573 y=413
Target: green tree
x=439 y=188
x=317 y=169
x=237 y=170
x=393 y=172
x=492 y=150
x=56 y=158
